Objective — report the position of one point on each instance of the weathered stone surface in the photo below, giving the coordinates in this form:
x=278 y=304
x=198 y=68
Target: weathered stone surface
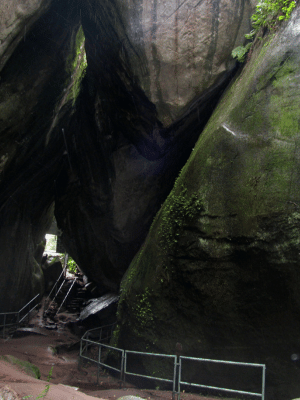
x=16 y=19
x=185 y=46
x=175 y=50
x=219 y=271
x=118 y=174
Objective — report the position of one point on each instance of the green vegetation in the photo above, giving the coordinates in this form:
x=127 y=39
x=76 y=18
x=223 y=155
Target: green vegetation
x=268 y=15
x=25 y=366
x=76 y=65
x=71 y=265
x=179 y=209
x=115 y=336
x=142 y=309
x=51 y=241
x=240 y=52
x=45 y=391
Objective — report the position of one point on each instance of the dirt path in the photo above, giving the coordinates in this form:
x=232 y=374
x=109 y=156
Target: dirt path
x=39 y=348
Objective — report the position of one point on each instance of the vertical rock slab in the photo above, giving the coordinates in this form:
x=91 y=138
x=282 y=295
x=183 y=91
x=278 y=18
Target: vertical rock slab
x=182 y=48
x=219 y=270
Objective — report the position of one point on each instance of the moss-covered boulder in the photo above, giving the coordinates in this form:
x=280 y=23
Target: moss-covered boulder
x=219 y=271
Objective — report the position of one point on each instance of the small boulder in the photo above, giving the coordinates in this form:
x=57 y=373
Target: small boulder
x=7 y=393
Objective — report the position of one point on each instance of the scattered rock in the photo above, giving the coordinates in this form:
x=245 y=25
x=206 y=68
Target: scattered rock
x=21 y=332
x=7 y=393
x=130 y=398
x=51 y=327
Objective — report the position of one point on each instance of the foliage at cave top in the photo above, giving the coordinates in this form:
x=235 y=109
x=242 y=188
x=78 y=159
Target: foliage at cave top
x=268 y=15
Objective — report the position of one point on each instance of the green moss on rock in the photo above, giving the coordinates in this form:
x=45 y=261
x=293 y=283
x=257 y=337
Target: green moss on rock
x=76 y=66
x=222 y=255
x=25 y=366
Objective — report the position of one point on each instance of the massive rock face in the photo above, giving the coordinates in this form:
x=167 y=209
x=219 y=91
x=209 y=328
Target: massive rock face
x=123 y=158
x=219 y=271
x=97 y=117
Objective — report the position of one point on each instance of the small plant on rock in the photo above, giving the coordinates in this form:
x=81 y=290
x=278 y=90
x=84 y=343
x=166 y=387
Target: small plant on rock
x=72 y=266
x=45 y=391
x=268 y=15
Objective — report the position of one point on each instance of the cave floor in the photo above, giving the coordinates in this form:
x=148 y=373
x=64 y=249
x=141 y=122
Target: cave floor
x=40 y=348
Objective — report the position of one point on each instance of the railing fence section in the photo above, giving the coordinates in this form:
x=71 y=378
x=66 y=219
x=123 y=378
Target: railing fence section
x=162 y=358
x=93 y=348
x=124 y=362
x=16 y=318
x=228 y=363
x=100 y=334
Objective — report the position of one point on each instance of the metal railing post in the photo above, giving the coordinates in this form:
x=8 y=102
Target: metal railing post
x=179 y=379
x=122 y=368
x=80 y=353
x=263 y=383
x=18 y=319
x=174 y=377
x=99 y=360
x=4 y=322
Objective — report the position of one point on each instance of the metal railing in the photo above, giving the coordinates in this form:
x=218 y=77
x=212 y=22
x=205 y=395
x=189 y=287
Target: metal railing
x=55 y=287
x=101 y=333
x=92 y=350
x=16 y=318
x=163 y=356
x=96 y=356
x=180 y=382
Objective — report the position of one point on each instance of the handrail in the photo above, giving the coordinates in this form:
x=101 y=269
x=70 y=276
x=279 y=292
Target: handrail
x=17 y=315
x=173 y=381
x=54 y=286
x=28 y=303
x=262 y=394
x=177 y=366
x=66 y=296
x=54 y=297
x=101 y=328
